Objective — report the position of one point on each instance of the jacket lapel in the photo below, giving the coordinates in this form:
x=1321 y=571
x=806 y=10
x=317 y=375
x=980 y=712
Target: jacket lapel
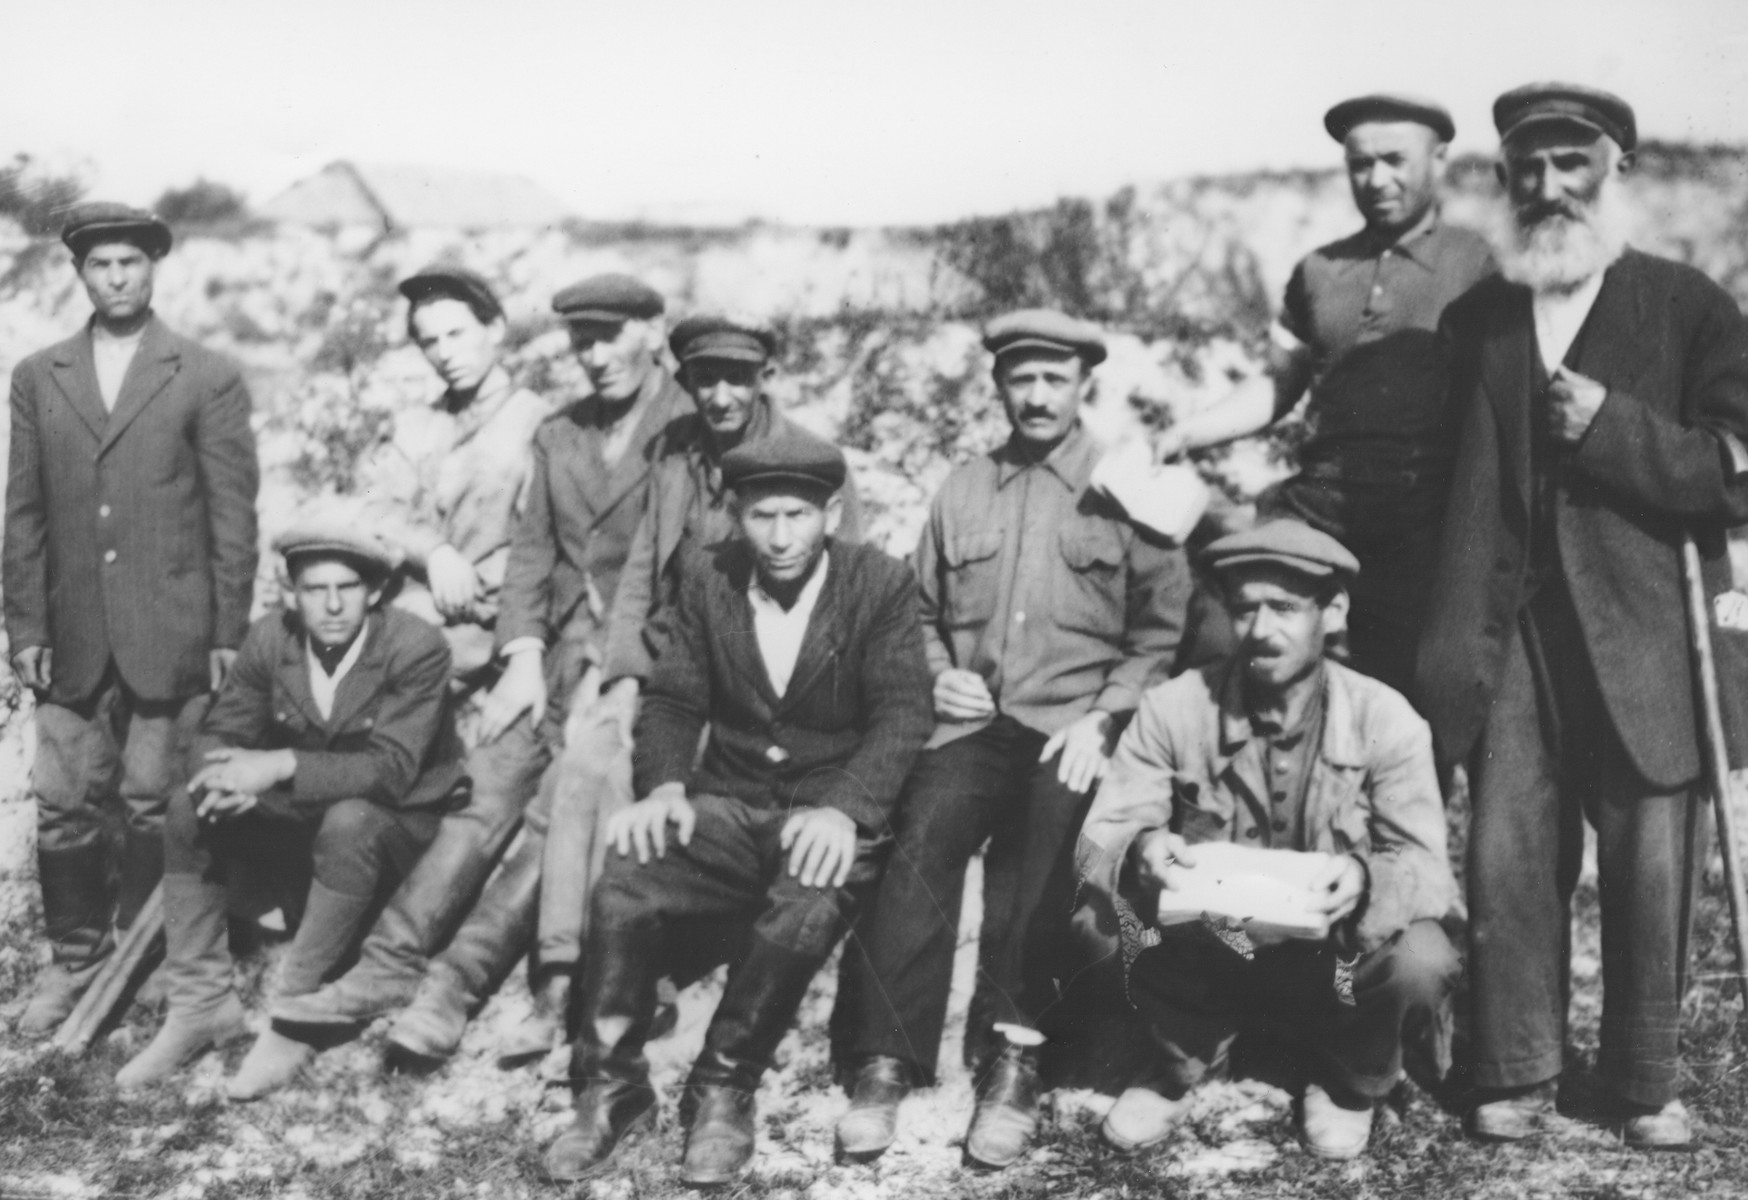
x=75 y=373
x=821 y=643
x=364 y=680
x=155 y=364
x=1339 y=760
x=294 y=674
x=1508 y=378
x=1601 y=354
x=740 y=639
x=1236 y=762
x=633 y=466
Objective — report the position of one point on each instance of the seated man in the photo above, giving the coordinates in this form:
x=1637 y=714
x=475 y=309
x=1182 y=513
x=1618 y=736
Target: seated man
x=806 y=664
x=1287 y=750
x=330 y=755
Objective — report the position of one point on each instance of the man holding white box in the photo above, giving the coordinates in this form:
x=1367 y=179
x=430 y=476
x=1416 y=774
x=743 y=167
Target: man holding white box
x=1322 y=871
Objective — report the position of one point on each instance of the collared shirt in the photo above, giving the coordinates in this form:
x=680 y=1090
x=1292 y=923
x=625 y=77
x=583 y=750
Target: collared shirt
x=1281 y=761
x=112 y=356
x=780 y=630
x=1368 y=309
x=323 y=686
x=1036 y=582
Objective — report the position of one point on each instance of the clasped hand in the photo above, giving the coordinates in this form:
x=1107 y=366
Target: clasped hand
x=231 y=782
x=1573 y=402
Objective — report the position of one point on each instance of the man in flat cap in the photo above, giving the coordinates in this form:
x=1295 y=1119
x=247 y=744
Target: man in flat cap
x=1046 y=614
x=1604 y=402
x=1358 y=330
x=802 y=657
x=585 y=497
x=129 y=568
x=1279 y=749
x=445 y=488
x=725 y=365
x=325 y=766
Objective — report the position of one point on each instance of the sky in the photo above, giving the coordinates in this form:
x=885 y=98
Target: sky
x=810 y=111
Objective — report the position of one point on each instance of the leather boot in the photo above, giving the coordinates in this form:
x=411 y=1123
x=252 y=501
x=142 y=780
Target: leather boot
x=204 y=1010
x=392 y=961
x=545 y=1027
x=142 y=865
x=758 y=1006
x=608 y=1066
x=428 y=1031
x=330 y=923
x=868 y=1128
x=75 y=903
x=1006 y=1117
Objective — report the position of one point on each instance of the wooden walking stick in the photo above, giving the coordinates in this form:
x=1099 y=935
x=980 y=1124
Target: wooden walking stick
x=1717 y=756
x=111 y=982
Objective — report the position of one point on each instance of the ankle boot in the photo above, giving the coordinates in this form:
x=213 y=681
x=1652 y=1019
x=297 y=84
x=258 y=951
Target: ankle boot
x=204 y=1009
x=392 y=961
x=1006 y=1117
x=142 y=865
x=546 y=1026
x=428 y=1031
x=76 y=904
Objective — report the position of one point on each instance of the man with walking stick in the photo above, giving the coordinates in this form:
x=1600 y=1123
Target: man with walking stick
x=1604 y=400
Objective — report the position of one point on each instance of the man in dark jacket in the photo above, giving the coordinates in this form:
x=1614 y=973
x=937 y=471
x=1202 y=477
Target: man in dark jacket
x=1604 y=397
x=806 y=665
x=129 y=567
x=331 y=751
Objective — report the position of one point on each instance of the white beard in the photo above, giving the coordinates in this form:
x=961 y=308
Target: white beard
x=1558 y=253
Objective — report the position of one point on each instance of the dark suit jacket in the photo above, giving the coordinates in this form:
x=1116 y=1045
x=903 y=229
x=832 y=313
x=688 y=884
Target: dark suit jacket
x=391 y=737
x=571 y=541
x=130 y=534
x=857 y=710
x=1662 y=456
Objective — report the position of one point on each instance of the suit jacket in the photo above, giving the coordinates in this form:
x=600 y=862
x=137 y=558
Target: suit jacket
x=1663 y=456
x=571 y=541
x=390 y=738
x=130 y=535
x=845 y=732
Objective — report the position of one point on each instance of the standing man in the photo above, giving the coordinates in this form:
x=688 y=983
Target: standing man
x=1045 y=614
x=586 y=496
x=802 y=658
x=1359 y=331
x=129 y=567
x=1604 y=396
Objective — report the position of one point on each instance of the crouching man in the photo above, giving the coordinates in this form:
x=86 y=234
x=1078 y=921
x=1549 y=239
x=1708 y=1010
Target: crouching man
x=1279 y=749
x=803 y=657
x=329 y=756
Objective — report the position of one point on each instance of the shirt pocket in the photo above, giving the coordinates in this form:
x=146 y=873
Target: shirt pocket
x=972 y=577
x=1197 y=811
x=1090 y=593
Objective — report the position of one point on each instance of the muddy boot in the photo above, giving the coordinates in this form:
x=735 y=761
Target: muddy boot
x=204 y=1010
x=75 y=902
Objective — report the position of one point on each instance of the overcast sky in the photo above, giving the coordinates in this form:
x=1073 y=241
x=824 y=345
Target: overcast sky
x=810 y=110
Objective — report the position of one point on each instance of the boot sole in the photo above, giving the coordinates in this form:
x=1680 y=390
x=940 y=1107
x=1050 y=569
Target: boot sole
x=638 y=1126
x=1129 y=1149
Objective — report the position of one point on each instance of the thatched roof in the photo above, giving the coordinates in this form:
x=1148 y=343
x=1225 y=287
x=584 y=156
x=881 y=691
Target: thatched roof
x=408 y=197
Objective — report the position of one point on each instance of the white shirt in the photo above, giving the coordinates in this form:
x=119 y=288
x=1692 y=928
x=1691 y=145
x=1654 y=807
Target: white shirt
x=323 y=686
x=111 y=356
x=780 y=632
x=1559 y=317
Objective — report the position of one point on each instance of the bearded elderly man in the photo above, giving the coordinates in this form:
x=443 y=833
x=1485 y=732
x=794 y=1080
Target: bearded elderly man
x=1604 y=398
x=1358 y=330
x=1281 y=750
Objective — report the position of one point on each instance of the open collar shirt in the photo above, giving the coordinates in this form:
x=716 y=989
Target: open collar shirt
x=780 y=630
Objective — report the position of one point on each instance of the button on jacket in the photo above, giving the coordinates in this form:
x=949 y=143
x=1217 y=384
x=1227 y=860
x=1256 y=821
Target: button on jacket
x=1038 y=584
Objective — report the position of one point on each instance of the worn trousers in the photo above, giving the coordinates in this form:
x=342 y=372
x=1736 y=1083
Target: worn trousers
x=898 y=966
x=590 y=781
x=1548 y=757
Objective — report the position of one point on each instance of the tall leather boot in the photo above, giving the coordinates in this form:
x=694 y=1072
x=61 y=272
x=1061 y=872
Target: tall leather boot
x=204 y=1009
x=142 y=865
x=608 y=1067
x=757 y=1008
x=423 y=910
x=76 y=902
x=330 y=924
x=482 y=953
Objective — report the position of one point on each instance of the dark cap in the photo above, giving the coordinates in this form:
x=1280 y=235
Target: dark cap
x=101 y=221
x=788 y=457
x=340 y=539
x=456 y=283
x=717 y=336
x=1389 y=106
x=1045 y=329
x=1567 y=104
x=609 y=299
x=1285 y=543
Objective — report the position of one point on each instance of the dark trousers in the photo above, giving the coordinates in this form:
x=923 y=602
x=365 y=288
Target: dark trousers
x=1196 y=995
x=898 y=967
x=1549 y=757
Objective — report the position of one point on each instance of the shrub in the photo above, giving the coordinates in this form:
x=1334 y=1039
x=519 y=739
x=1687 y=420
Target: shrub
x=37 y=201
x=202 y=202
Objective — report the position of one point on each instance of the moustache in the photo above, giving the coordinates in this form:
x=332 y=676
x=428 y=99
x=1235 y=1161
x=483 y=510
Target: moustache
x=1541 y=212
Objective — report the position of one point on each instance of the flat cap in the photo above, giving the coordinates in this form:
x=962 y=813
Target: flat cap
x=1287 y=543
x=1045 y=329
x=340 y=538
x=717 y=336
x=1389 y=106
x=457 y=283
x=1569 y=104
x=788 y=457
x=101 y=221
x=609 y=298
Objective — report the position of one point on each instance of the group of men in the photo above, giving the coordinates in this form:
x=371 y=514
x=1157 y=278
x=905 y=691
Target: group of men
x=730 y=733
